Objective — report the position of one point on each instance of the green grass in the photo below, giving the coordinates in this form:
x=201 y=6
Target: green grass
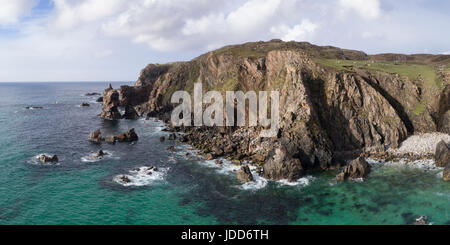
x=232 y=84
x=243 y=51
x=412 y=71
x=420 y=108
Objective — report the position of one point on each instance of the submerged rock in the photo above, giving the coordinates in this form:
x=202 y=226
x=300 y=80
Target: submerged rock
x=281 y=165
x=91 y=94
x=442 y=154
x=172 y=137
x=358 y=168
x=422 y=220
x=245 y=175
x=100 y=154
x=162 y=139
x=171 y=148
x=48 y=159
x=34 y=107
x=125 y=179
x=96 y=136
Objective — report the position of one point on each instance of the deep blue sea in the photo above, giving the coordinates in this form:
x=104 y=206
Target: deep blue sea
x=186 y=189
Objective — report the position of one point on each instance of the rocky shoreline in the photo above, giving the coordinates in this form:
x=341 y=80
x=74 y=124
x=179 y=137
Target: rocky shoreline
x=329 y=116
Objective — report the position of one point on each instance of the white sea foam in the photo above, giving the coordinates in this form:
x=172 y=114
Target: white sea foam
x=426 y=164
x=91 y=158
x=142 y=176
x=258 y=183
x=305 y=181
x=35 y=160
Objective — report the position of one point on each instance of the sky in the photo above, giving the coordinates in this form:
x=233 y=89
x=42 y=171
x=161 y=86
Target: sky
x=112 y=40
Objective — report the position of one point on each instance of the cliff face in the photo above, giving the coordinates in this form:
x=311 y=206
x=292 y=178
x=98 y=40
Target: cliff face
x=334 y=103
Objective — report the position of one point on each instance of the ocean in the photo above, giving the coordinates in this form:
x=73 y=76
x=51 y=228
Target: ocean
x=80 y=190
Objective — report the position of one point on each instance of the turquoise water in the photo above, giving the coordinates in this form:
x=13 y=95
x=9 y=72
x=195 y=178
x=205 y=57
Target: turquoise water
x=189 y=191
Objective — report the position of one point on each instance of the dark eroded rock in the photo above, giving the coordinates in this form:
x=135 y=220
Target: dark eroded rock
x=422 y=220
x=442 y=154
x=48 y=159
x=130 y=113
x=110 y=106
x=209 y=156
x=281 y=165
x=111 y=140
x=446 y=173
x=358 y=168
x=129 y=136
x=245 y=175
x=125 y=179
x=96 y=137
x=100 y=154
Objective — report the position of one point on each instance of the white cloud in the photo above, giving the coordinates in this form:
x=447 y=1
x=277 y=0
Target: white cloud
x=368 y=9
x=12 y=10
x=69 y=13
x=114 y=39
x=296 y=33
x=253 y=14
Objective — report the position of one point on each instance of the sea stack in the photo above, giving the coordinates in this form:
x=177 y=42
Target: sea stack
x=110 y=106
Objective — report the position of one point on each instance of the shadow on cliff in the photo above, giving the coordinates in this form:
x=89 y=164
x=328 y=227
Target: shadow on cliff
x=333 y=121
x=394 y=103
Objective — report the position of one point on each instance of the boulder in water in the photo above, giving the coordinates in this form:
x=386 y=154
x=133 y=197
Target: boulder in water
x=85 y=105
x=100 y=154
x=48 y=159
x=125 y=179
x=358 y=168
x=162 y=139
x=172 y=137
x=96 y=137
x=100 y=99
x=442 y=154
x=209 y=156
x=446 y=173
x=111 y=140
x=129 y=136
x=282 y=165
x=245 y=175
x=422 y=220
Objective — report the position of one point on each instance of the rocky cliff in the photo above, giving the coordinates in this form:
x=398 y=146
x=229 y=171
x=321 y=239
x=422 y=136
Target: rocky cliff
x=334 y=104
